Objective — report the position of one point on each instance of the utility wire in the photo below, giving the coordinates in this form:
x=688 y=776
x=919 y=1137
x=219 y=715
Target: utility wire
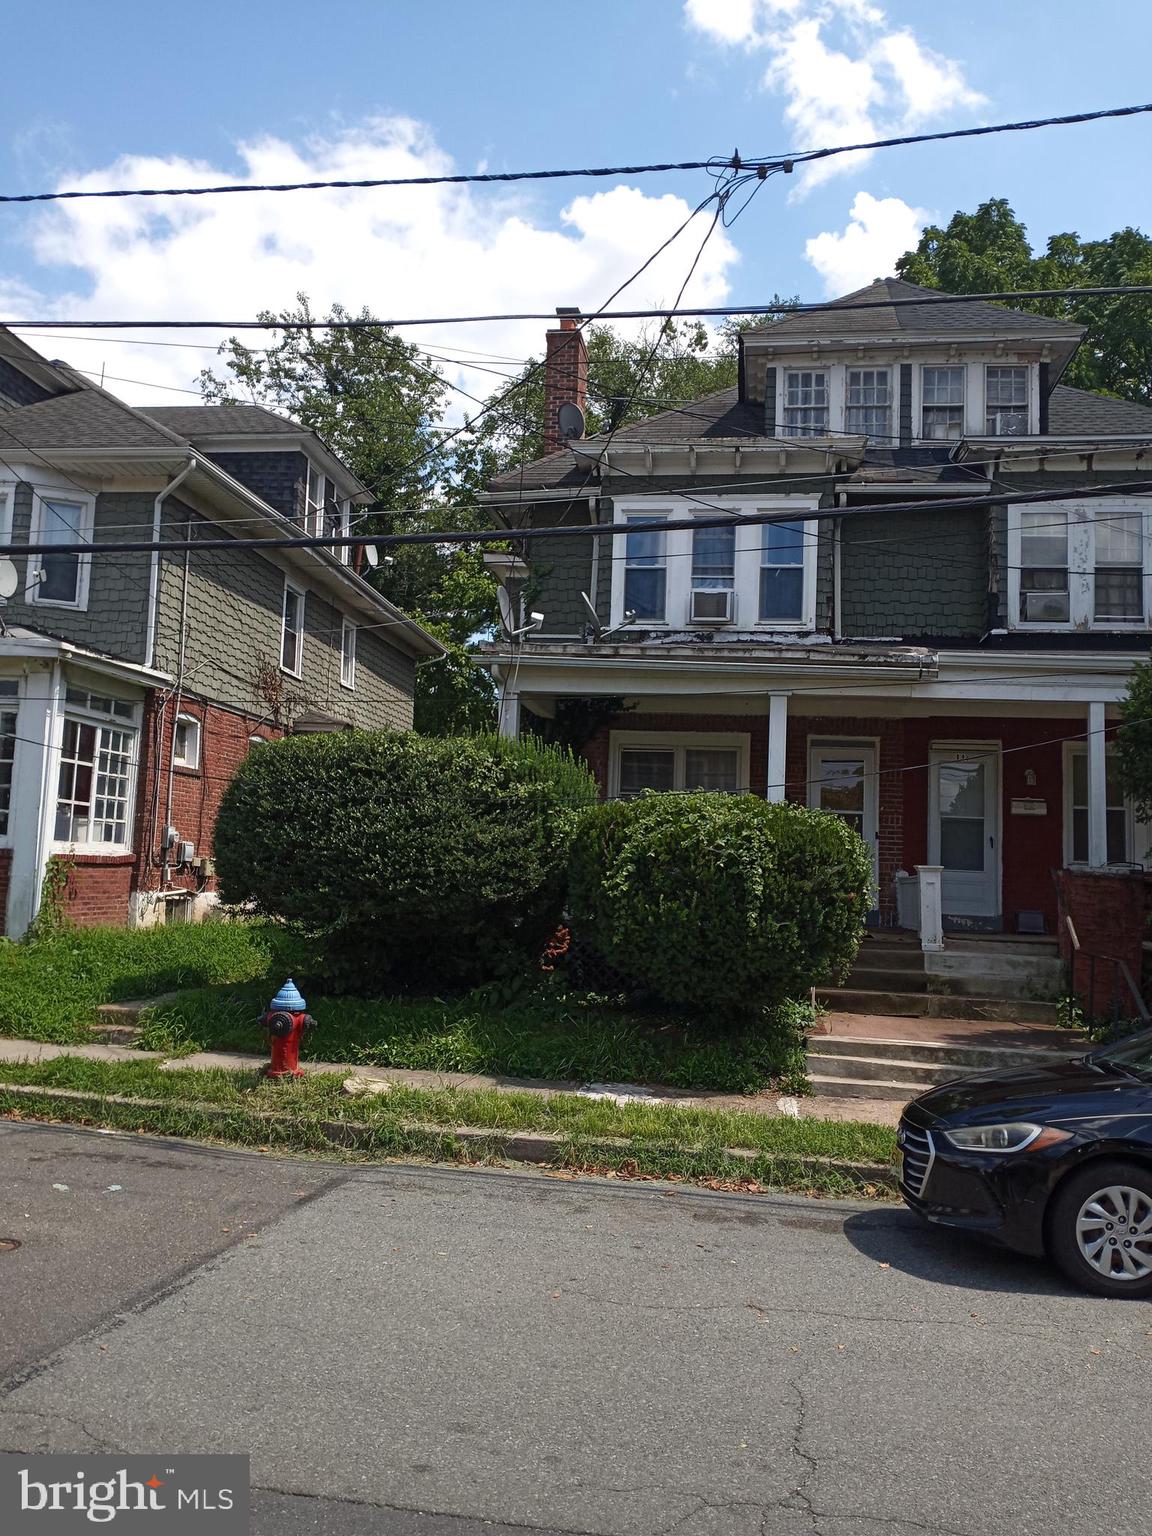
x=757 y=164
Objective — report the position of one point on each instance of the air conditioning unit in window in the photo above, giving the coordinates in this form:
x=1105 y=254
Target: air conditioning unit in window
x=1045 y=607
x=712 y=606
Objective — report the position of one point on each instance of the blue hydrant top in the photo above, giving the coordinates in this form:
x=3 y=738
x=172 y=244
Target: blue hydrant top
x=288 y=1000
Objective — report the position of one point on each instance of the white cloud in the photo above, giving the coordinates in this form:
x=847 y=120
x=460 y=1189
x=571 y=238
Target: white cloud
x=878 y=231
x=399 y=251
x=873 y=80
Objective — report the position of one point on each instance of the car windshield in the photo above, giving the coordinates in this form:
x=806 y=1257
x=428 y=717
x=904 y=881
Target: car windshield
x=1132 y=1056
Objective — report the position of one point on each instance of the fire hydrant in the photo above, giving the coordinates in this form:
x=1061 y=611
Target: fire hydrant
x=286 y=1021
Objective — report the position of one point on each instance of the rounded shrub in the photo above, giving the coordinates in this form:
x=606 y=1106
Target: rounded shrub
x=414 y=860
x=719 y=903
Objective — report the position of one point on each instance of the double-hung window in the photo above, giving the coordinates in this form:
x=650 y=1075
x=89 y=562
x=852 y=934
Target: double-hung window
x=342 y=527
x=1081 y=565
x=347 y=654
x=642 y=762
x=186 y=745
x=292 y=631
x=94 y=792
x=782 y=573
x=942 y=403
x=315 y=517
x=60 y=518
x=713 y=573
x=1119 y=819
x=1005 y=401
x=868 y=404
x=805 y=402
x=645 y=569
x=8 y=697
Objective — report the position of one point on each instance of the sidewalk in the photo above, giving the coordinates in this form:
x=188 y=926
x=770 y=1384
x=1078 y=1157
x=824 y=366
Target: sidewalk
x=869 y=1111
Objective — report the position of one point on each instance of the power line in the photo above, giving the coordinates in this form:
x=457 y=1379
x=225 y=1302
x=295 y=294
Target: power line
x=759 y=165
x=714 y=311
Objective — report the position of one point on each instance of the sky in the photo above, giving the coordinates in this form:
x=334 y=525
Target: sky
x=139 y=94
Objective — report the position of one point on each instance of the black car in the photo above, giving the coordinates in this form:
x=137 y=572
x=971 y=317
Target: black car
x=1055 y=1161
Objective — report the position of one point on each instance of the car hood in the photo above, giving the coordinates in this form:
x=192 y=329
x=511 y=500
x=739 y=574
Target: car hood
x=1070 y=1089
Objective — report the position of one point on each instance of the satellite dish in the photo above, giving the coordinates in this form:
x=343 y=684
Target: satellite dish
x=9 y=579
x=372 y=555
x=570 y=419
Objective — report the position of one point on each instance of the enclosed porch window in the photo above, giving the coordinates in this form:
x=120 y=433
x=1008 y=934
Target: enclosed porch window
x=643 y=761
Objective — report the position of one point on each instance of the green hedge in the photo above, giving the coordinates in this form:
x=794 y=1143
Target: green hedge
x=719 y=903
x=416 y=861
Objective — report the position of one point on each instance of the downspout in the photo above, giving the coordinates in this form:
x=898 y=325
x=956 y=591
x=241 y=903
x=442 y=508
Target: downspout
x=594 y=583
x=49 y=767
x=165 y=872
x=837 y=524
x=154 y=572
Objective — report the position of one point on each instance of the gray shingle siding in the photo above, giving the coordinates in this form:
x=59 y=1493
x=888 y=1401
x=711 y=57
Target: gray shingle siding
x=234 y=615
x=18 y=387
x=914 y=575
x=279 y=478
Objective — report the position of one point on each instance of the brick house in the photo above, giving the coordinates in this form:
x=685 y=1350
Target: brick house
x=132 y=685
x=941 y=676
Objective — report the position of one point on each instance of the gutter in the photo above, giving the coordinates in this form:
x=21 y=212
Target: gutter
x=154 y=566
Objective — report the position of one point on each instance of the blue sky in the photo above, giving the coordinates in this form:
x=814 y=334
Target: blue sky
x=256 y=90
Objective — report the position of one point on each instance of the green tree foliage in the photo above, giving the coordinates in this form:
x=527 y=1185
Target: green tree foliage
x=988 y=252
x=1134 y=741
x=719 y=904
x=417 y=861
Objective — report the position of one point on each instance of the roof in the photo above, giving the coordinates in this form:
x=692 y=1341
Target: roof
x=846 y=317
x=238 y=420
x=89 y=418
x=1079 y=413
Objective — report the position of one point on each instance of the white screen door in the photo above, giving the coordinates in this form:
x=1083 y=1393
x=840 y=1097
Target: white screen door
x=842 y=780
x=963 y=830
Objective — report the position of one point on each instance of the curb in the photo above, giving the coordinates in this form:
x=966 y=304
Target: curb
x=513 y=1146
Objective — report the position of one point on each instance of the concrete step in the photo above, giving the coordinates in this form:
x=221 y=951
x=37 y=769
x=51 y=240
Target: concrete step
x=935 y=1005
x=957 y=1058
x=890 y=957
x=978 y=972
x=856 y=1069
x=864 y=1088
x=1001 y=944
x=864 y=978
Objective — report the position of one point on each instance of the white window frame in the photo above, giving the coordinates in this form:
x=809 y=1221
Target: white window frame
x=802 y=429
x=102 y=721
x=749 y=544
x=678 y=742
x=348 y=653
x=1025 y=409
x=7 y=509
x=189 y=759
x=343 y=552
x=32 y=582
x=1082 y=517
x=10 y=701
x=314 y=510
x=924 y=405
x=1137 y=834
x=290 y=586
x=886 y=439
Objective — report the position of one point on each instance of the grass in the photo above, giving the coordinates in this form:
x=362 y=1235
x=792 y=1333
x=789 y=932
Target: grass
x=553 y=1034
x=51 y=988
x=637 y=1140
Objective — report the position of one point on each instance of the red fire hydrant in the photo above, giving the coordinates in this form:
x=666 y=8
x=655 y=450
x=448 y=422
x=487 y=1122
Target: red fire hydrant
x=286 y=1021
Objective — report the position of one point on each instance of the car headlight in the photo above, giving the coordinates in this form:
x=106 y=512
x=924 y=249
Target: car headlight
x=1013 y=1137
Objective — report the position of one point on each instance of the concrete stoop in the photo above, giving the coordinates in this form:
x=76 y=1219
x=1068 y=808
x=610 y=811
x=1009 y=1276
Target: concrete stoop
x=858 y=1067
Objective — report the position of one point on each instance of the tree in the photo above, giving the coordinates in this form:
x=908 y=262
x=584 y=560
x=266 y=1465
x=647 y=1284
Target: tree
x=378 y=404
x=988 y=251
x=1134 y=740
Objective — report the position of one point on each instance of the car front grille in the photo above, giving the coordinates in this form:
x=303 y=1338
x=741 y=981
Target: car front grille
x=919 y=1155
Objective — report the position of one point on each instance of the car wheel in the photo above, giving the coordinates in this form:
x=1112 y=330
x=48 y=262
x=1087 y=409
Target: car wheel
x=1100 y=1229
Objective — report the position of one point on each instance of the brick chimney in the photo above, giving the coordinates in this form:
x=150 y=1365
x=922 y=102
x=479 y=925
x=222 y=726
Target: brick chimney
x=565 y=374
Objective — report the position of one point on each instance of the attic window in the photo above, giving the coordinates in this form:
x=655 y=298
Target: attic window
x=868 y=407
x=805 y=402
x=1006 y=402
x=942 y=404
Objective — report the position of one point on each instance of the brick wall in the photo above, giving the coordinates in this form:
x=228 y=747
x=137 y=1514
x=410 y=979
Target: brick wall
x=5 y=874
x=565 y=377
x=98 y=888
x=1109 y=911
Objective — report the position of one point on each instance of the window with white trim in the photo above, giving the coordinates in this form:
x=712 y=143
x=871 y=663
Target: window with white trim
x=186 y=744
x=1080 y=564
x=95 y=787
x=738 y=573
x=942 y=403
x=642 y=761
x=645 y=576
x=315 y=512
x=60 y=517
x=292 y=631
x=342 y=526
x=868 y=404
x=1122 y=826
x=1005 y=401
x=347 y=654
x=9 y=691
x=805 y=402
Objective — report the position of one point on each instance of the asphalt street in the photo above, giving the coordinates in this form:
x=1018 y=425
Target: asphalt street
x=441 y=1352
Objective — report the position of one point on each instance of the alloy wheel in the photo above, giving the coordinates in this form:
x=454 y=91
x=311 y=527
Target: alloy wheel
x=1114 y=1232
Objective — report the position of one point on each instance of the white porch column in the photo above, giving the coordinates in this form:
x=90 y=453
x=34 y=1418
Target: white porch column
x=777 y=744
x=931 y=907
x=509 y=713
x=1097 y=791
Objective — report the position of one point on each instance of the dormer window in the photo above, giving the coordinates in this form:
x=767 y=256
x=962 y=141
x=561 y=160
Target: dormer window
x=1006 y=402
x=868 y=405
x=317 y=498
x=805 y=402
x=942 y=404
